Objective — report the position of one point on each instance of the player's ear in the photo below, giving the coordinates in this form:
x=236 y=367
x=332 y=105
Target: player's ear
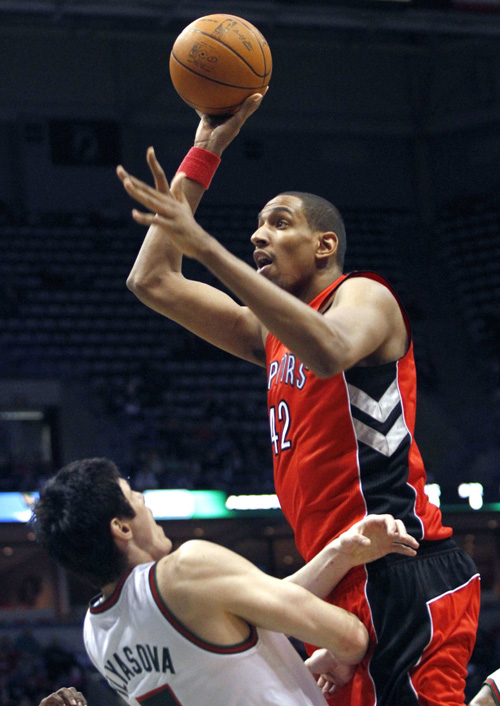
x=327 y=245
x=120 y=529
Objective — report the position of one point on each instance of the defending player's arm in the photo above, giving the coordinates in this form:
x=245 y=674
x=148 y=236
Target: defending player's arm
x=369 y=539
x=213 y=585
x=156 y=277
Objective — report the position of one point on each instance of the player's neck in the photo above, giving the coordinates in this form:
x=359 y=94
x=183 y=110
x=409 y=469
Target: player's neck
x=108 y=589
x=320 y=282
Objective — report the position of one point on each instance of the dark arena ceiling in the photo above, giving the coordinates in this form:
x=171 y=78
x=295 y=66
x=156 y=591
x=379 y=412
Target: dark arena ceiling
x=462 y=17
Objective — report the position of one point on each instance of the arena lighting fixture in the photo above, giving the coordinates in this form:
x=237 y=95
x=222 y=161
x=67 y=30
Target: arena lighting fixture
x=253 y=502
x=186 y=504
x=433 y=491
x=22 y=415
x=474 y=492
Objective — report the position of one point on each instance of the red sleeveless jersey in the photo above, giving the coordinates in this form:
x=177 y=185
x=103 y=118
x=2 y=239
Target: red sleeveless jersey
x=343 y=447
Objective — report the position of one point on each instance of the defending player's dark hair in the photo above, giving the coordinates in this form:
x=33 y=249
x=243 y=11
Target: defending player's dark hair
x=72 y=519
x=323 y=216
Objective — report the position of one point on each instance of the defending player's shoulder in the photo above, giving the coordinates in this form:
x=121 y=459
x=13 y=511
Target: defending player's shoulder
x=199 y=577
x=198 y=560
x=182 y=577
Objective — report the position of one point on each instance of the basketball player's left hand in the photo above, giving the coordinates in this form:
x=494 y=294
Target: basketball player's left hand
x=373 y=537
x=168 y=206
x=66 y=696
x=330 y=674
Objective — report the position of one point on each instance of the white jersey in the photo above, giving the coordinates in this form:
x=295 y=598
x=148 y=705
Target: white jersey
x=152 y=659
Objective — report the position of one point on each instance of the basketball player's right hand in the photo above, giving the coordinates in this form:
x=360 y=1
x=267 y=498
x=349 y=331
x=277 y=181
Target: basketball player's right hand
x=215 y=134
x=66 y=696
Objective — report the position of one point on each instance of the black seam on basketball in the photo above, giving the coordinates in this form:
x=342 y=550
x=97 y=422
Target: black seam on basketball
x=214 y=80
x=211 y=36
x=259 y=37
x=259 y=43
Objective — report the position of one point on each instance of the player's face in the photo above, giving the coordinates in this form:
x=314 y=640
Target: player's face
x=148 y=535
x=285 y=245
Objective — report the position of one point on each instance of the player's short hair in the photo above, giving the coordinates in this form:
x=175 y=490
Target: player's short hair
x=72 y=519
x=323 y=216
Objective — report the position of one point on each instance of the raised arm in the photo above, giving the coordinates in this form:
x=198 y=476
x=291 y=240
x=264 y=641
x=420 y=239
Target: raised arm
x=364 y=324
x=156 y=277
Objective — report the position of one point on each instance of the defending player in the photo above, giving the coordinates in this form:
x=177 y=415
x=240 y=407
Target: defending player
x=342 y=395
x=199 y=625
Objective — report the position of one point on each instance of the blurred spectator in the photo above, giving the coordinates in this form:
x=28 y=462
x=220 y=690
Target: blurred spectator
x=28 y=672
x=29 y=590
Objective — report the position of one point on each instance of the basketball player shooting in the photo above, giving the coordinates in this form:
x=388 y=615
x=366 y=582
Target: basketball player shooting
x=341 y=401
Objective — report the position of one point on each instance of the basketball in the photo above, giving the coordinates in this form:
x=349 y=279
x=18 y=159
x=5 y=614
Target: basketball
x=217 y=61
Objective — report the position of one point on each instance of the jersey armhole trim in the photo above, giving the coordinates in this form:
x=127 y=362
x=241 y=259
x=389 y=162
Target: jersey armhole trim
x=243 y=646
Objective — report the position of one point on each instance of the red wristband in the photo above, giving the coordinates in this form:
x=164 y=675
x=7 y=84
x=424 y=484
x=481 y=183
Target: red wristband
x=200 y=165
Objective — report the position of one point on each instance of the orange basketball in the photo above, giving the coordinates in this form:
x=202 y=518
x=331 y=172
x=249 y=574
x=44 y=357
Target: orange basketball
x=217 y=61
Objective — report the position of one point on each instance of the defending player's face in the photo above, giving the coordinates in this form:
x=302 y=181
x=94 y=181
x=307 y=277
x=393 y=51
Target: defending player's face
x=285 y=244
x=148 y=535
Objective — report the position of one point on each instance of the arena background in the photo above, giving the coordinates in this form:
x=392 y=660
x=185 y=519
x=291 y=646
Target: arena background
x=389 y=109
